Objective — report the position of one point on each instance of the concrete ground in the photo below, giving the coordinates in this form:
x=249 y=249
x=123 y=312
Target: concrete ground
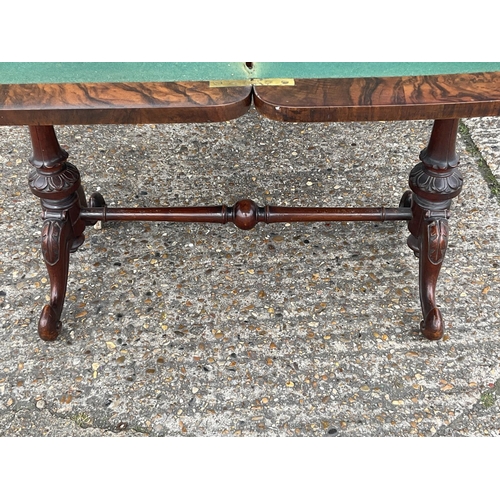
x=285 y=330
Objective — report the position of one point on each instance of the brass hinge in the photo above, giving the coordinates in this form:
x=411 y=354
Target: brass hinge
x=281 y=82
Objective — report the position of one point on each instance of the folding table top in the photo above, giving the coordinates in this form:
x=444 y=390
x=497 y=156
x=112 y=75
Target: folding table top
x=153 y=92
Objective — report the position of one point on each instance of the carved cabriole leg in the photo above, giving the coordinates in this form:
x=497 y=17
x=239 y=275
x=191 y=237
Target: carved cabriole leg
x=434 y=182
x=57 y=184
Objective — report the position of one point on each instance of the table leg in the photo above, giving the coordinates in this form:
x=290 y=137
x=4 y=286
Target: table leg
x=57 y=183
x=434 y=182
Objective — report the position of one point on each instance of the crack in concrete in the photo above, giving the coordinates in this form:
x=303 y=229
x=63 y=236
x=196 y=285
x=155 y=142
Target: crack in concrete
x=492 y=182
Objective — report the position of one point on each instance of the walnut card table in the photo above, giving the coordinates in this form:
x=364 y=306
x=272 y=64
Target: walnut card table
x=41 y=95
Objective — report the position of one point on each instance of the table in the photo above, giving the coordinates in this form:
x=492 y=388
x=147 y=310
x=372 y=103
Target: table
x=41 y=95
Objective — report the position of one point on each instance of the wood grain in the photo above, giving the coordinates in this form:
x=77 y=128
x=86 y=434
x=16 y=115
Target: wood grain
x=310 y=100
x=124 y=103
x=378 y=99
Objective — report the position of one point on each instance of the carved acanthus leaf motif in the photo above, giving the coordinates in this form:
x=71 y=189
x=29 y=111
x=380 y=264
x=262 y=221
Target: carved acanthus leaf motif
x=438 y=240
x=51 y=238
x=423 y=180
x=61 y=181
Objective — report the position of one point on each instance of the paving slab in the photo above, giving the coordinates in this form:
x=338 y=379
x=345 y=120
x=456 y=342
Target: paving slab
x=284 y=330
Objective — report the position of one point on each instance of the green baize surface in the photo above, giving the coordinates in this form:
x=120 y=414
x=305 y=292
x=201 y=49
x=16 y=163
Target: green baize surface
x=88 y=72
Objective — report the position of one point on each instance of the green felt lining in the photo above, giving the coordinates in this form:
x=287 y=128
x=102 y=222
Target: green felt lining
x=86 y=72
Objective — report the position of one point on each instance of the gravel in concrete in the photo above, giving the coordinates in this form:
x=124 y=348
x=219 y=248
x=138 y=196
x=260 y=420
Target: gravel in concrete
x=285 y=330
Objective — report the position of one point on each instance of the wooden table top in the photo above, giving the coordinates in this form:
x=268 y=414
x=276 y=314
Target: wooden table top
x=106 y=93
